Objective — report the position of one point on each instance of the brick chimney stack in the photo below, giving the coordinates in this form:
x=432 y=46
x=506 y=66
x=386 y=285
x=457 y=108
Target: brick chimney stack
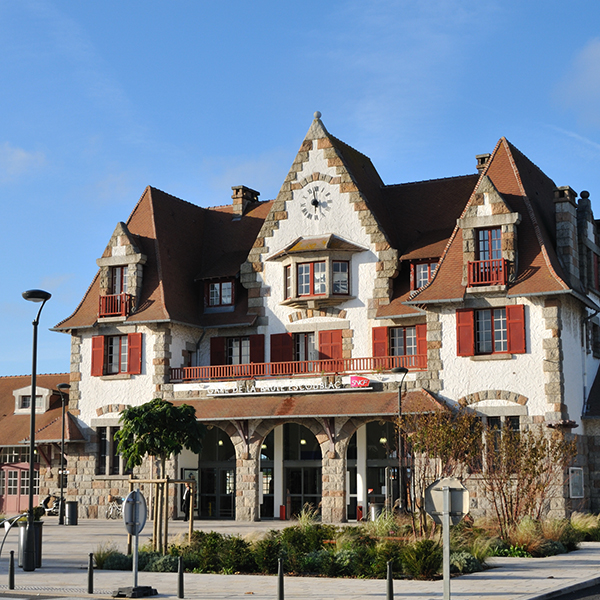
x=567 y=240
x=242 y=197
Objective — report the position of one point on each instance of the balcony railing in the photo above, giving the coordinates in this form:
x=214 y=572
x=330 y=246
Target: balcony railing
x=414 y=362
x=487 y=272
x=115 y=305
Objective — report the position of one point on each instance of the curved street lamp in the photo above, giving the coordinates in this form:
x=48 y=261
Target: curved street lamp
x=61 y=507
x=29 y=558
x=403 y=371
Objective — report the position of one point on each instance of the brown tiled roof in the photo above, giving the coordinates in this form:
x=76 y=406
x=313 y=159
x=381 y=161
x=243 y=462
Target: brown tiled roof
x=526 y=190
x=14 y=429
x=180 y=241
x=359 y=403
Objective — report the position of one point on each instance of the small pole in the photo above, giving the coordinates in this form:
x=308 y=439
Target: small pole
x=11 y=571
x=280 y=580
x=166 y=542
x=446 y=541
x=180 y=577
x=91 y=574
x=390 y=582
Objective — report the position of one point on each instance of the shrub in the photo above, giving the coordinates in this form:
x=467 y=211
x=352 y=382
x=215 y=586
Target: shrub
x=319 y=562
x=146 y=558
x=587 y=526
x=103 y=551
x=384 y=551
x=513 y=552
x=118 y=562
x=236 y=555
x=561 y=530
x=266 y=553
x=464 y=562
x=527 y=534
x=163 y=564
x=422 y=559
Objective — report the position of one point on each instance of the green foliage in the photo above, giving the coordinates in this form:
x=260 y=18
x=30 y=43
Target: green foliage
x=146 y=558
x=464 y=562
x=103 y=551
x=384 y=551
x=587 y=526
x=513 y=552
x=118 y=562
x=422 y=559
x=563 y=532
x=266 y=553
x=163 y=564
x=216 y=553
x=158 y=428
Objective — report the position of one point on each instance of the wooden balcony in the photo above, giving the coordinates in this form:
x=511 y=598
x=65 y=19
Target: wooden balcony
x=487 y=272
x=115 y=305
x=337 y=366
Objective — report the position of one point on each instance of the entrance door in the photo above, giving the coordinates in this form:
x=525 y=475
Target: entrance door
x=14 y=488
x=303 y=485
x=217 y=493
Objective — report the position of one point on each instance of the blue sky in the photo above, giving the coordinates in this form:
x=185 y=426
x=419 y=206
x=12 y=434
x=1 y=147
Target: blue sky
x=100 y=99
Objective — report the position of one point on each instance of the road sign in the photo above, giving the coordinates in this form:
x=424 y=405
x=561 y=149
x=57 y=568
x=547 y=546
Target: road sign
x=459 y=500
x=135 y=512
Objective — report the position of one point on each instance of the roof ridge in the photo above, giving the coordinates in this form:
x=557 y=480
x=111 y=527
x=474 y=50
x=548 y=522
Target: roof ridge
x=429 y=180
x=29 y=375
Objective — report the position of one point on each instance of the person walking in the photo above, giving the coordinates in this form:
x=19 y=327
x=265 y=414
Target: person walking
x=185 y=501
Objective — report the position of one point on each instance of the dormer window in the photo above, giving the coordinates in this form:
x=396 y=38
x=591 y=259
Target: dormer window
x=422 y=273
x=25 y=402
x=490 y=266
x=117 y=303
x=219 y=294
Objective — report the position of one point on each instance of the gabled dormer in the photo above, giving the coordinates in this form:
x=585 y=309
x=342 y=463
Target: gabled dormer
x=489 y=233
x=23 y=399
x=121 y=268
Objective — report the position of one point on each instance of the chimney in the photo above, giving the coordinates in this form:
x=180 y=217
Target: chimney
x=482 y=161
x=242 y=197
x=567 y=240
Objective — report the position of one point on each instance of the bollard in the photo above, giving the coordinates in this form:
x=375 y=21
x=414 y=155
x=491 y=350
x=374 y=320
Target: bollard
x=280 y=580
x=11 y=571
x=390 y=582
x=91 y=574
x=180 y=577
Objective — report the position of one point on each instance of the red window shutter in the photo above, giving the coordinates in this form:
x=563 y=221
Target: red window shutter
x=97 y=355
x=465 y=333
x=257 y=348
x=515 y=323
x=217 y=351
x=421 y=331
x=330 y=344
x=380 y=341
x=413 y=277
x=282 y=347
x=134 y=353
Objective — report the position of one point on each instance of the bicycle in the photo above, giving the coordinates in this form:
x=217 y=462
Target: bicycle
x=115 y=507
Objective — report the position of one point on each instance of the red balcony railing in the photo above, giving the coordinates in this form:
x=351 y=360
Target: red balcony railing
x=414 y=362
x=487 y=272
x=115 y=305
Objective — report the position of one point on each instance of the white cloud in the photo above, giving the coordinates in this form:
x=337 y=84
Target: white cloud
x=580 y=88
x=16 y=162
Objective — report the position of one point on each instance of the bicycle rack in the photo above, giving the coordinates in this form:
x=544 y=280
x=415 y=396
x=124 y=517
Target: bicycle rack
x=8 y=523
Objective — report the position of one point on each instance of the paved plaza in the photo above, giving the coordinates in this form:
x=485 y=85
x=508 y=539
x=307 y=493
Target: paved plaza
x=66 y=550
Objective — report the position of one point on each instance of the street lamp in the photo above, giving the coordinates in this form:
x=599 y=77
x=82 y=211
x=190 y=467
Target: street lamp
x=403 y=371
x=61 y=507
x=29 y=541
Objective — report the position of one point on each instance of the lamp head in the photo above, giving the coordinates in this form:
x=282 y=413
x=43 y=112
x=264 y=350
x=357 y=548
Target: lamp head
x=401 y=370
x=37 y=295
x=63 y=387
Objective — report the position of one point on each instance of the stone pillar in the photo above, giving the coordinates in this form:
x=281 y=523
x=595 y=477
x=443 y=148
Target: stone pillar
x=247 y=478
x=567 y=246
x=333 y=507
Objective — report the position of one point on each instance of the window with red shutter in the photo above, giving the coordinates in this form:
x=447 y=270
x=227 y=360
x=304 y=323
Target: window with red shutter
x=380 y=341
x=134 y=353
x=217 y=351
x=282 y=347
x=515 y=320
x=257 y=348
x=330 y=344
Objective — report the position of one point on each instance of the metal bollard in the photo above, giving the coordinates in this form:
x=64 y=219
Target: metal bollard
x=390 y=582
x=280 y=580
x=11 y=571
x=91 y=574
x=180 y=577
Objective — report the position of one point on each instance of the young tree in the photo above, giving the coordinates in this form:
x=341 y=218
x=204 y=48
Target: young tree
x=158 y=428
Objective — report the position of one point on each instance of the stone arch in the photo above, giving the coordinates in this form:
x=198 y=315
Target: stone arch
x=309 y=313
x=476 y=397
x=112 y=408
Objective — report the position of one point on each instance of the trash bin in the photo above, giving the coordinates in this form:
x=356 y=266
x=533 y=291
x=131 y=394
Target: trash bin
x=37 y=529
x=375 y=510
x=71 y=512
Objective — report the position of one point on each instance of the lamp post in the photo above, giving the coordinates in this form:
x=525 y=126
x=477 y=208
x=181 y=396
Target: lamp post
x=61 y=506
x=29 y=541
x=403 y=371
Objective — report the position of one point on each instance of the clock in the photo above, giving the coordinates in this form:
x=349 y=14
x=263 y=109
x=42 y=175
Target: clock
x=316 y=201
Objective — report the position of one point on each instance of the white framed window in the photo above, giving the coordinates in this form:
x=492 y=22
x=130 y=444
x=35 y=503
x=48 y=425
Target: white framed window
x=403 y=341
x=238 y=351
x=576 y=489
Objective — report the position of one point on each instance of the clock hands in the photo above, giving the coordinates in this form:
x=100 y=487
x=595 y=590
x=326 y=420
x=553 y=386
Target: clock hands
x=315 y=200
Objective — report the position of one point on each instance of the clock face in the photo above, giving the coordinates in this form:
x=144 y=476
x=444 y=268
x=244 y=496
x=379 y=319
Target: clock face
x=316 y=199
